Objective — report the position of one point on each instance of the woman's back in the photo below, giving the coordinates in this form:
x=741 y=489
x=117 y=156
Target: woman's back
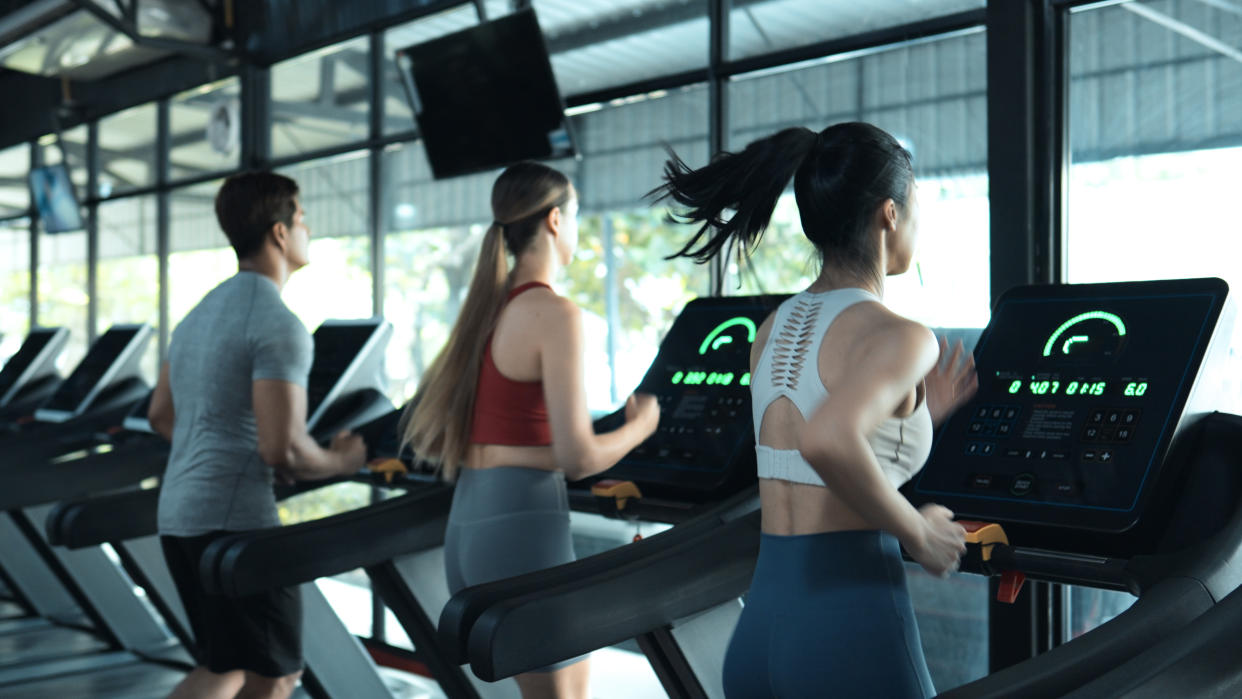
x=794 y=499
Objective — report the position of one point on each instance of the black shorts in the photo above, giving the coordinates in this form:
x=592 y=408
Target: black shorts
x=261 y=633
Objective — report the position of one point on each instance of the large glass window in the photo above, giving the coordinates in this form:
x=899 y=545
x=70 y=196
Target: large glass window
x=205 y=129
x=14 y=189
x=319 y=100
x=337 y=282
x=599 y=45
x=62 y=294
x=199 y=254
x=127 y=150
x=1155 y=137
x=623 y=151
x=14 y=285
x=127 y=281
x=932 y=97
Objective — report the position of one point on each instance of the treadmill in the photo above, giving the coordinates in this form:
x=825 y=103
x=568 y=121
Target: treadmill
x=1066 y=451
x=29 y=377
x=342 y=393
x=698 y=472
x=1090 y=456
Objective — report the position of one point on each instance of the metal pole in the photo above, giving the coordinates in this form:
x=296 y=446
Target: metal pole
x=163 y=212
x=717 y=107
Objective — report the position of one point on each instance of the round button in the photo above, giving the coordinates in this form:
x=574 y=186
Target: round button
x=1022 y=484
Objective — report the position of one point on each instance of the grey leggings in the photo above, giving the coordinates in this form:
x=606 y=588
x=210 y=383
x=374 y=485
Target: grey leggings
x=507 y=521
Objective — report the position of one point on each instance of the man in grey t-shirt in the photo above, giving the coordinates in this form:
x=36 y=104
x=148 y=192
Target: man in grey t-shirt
x=232 y=399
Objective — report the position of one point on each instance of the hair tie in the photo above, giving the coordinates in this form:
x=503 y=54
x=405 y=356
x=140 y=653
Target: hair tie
x=499 y=225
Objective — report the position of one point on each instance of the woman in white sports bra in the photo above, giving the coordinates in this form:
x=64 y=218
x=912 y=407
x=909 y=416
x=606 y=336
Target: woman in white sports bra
x=845 y=395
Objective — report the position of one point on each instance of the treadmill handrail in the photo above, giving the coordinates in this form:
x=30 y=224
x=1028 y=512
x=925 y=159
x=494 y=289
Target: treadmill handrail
x=712 y=558
x=41 y=483
x=251 y=562
x=580 y=613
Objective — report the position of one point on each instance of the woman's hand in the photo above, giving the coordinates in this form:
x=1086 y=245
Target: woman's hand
x=939 y=550
x=951 y=382
x=643 y=409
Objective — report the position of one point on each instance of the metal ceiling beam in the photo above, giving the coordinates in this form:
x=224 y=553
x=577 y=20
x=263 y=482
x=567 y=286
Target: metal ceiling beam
x=126 y=26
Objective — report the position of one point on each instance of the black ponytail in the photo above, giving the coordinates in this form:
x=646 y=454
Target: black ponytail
x=841 y=175
x=749 y=183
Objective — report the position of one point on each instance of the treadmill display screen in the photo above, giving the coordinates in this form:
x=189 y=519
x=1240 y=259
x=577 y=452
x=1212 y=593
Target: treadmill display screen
x=102 y=355
x=1080 y=390
x=701 y=378
x=336 y=346
x=20 y=362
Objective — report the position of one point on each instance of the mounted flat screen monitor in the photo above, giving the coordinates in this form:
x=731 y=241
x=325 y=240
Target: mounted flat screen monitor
x=54 y=198
x=485 y=97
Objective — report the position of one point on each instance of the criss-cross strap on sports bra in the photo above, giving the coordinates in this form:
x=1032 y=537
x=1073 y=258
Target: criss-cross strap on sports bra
x=508 y=412
x=789 y=368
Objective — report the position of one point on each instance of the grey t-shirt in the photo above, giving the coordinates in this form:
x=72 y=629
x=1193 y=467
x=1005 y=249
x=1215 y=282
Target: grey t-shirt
x=240 y=332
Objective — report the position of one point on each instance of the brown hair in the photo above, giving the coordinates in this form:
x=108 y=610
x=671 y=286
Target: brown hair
x=250 y=203
x=438 y=419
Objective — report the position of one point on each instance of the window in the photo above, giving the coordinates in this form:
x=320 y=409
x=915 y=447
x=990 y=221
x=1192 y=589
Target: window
x=128 y=281
x=14 y=189
x=127 y=150
x=14 y=285
x=319 y=100
x=337 y=282
x=622 y=156
x=932 y=97
x=594 y=46
x=204 y=129
x=62 y=294
x=199 y=254
x=1155 y=135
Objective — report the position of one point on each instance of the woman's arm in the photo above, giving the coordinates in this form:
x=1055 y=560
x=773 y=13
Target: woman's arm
x=575 y=446
x=887 y=366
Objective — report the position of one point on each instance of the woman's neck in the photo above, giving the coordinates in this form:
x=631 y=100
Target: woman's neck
x=833 y=277
x=536 y=265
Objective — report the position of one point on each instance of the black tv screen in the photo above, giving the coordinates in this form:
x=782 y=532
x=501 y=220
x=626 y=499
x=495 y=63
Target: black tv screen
x=485 y=97
x=55 y=199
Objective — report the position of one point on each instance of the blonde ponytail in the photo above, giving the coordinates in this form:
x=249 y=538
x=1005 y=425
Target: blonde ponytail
x=438 y=421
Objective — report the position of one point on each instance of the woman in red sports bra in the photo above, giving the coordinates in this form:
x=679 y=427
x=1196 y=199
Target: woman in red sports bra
x=503 y=409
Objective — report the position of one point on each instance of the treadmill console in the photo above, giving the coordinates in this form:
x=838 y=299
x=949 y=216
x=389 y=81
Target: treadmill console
x=113 y=358
x=1082 y=389
x=349 y=357
x=35 y=359
x=701 y=377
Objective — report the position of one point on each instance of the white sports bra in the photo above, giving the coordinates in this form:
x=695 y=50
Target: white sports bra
x=901 y=445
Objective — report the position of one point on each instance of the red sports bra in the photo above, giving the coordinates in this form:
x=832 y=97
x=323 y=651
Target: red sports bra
x=508 y=412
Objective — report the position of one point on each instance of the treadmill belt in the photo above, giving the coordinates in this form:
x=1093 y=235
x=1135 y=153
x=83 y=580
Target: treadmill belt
x=132 y=681
x=46 y=644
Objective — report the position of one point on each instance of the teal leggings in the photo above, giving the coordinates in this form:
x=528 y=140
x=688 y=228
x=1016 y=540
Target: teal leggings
x=827 y=615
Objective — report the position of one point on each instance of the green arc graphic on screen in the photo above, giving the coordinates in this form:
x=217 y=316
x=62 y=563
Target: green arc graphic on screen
x=715 y=339
x=1089 y=315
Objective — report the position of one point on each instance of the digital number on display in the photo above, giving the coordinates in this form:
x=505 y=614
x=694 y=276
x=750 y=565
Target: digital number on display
x=708 y=378
x=1052 y=387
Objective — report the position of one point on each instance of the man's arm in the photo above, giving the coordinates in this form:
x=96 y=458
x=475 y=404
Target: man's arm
x=160 y=412
x=285 y=445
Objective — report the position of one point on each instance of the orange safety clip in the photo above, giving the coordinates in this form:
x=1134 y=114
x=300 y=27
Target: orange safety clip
x=390 y=468
x=620 y=491
x=986 y=535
